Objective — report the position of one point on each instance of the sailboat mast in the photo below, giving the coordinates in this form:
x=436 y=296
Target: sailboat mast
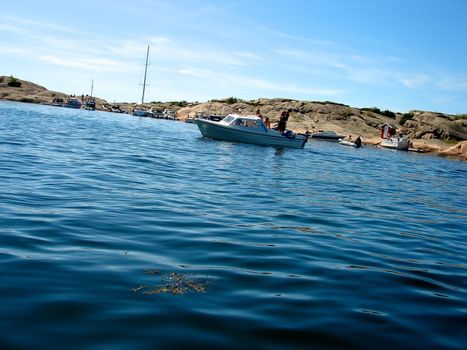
x=145 y=72
x=92 y=87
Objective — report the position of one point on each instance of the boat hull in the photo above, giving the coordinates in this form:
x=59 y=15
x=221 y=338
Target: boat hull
x=89 y=105
x=66 y=104
x=140 y=113
x=72 y=106
x=347 y=143
x=221 y=132
x=401 y=144
x=327 y=136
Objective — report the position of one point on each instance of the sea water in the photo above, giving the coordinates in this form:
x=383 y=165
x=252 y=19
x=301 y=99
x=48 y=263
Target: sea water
x=124 y=232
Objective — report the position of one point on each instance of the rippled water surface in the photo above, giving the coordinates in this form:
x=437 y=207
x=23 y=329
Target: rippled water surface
x=121 y=232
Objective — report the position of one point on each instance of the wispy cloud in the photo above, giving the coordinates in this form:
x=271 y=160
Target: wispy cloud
x=249 y=55
x=210 y=10
x=43 y=24
x=78 y=50
x=415 y=80
x=12 y=50
x=446 y=82
x=74 y=49
x=235 y=81
x=96 y=63
x=12 y=29
x=296 y=38
x=367 y=75
x=184 y=52
x=377 y=70
x=445 y=99
x=127 y=48
x=316 y=57
x=204 y=47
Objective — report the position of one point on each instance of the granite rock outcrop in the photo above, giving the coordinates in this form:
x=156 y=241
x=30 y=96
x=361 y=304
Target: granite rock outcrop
x=430 y=131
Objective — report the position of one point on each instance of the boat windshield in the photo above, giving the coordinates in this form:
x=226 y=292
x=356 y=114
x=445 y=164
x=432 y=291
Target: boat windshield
x=229 y=119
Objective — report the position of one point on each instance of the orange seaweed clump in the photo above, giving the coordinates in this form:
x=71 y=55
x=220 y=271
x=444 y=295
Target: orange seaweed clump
x=173 y=283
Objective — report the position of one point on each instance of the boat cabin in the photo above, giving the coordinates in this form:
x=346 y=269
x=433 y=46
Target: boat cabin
x=208 y=116
x=244 y=122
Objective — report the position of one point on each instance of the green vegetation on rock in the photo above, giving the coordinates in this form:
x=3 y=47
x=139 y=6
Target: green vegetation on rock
x=179 y=103
x=405 y=117
x=229 y=100
x=386 y=113
x=13 y=82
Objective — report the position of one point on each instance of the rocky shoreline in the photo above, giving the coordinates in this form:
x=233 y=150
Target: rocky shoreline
x=430 y=132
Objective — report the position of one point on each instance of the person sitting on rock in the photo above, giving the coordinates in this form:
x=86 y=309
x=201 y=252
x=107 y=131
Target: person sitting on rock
x=258 y=114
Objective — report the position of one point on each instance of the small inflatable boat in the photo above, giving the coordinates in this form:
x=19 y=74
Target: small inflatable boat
x=349 y=143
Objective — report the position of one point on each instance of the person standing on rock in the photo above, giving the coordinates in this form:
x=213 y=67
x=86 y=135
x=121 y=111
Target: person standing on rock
x=283 y=120
x=358 y=142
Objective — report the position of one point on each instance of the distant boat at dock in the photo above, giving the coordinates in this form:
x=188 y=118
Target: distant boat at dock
x=399 y=143
x=70 y=102
x=327 y=136
x=90 y=104
x=388 y=132
x=141 y=112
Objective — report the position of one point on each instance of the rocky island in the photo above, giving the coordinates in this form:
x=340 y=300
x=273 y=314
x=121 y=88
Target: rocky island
x=433 y=132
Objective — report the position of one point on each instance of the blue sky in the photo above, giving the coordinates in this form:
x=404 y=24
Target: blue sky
x=393 y=54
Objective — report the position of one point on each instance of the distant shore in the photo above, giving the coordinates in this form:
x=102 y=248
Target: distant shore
x=429 y=132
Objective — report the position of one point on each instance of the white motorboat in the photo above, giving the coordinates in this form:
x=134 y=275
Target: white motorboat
x=399 y=143
x=168 y=114
x=141 y=112
x=327 y=136
x=249 y=129
x=90 y=104
x=390 y=141
x=57 y=102
x=71 y=102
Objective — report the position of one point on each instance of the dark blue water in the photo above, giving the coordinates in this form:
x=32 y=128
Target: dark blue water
x=127 y=233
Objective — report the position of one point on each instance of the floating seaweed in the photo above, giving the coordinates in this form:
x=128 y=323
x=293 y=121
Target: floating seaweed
x=172 y=283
